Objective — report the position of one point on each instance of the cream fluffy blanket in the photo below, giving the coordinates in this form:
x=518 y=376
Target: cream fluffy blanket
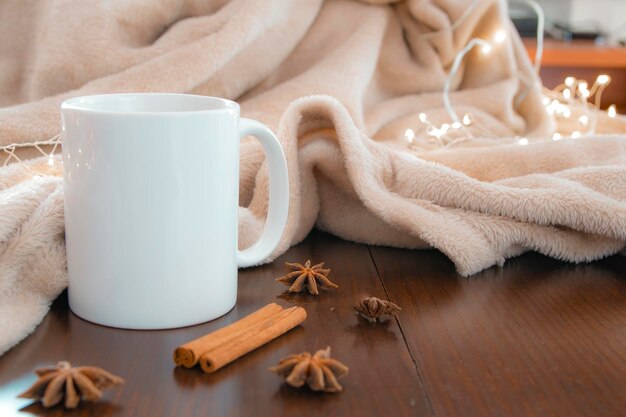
x=340 y=82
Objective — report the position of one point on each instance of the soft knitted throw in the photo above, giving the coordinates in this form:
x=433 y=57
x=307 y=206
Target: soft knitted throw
x=340 y=82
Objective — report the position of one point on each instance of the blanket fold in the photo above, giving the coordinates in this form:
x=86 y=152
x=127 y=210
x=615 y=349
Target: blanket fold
x=340 y=82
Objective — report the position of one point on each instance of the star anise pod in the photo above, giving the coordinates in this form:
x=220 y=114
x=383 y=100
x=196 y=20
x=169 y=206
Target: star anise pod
x=373 y=308
x=307 y=277
x=62 y=380
x=318 y=371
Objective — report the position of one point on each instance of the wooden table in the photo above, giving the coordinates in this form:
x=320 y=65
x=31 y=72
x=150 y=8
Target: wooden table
x=537 y=337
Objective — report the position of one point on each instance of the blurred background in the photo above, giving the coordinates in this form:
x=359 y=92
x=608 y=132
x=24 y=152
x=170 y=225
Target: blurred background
x=583 y=39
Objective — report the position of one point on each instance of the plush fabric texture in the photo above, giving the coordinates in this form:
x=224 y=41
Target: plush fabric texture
x=340 y=82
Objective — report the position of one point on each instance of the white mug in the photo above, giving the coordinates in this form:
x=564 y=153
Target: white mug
x=151 y=185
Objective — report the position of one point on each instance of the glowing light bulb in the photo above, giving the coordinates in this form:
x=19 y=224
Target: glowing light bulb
x=569 y=81
x=50 y=161
x=567 y=94
x=456 y=125
x=583 y=89
x=422 y=117
x=584 y=119
x=523 y=141
x=432 y=131
x=466 y=119
x=567 y=113
x=445 y=127
x=575 y=134
x=556 y=136
x=485 y=49
x=500 y=36
x=409 y=134
x=603 y=79
x=545 y=101
x=612 y=111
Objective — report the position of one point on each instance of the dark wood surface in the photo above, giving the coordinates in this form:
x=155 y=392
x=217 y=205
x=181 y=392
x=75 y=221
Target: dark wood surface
x=537 y=337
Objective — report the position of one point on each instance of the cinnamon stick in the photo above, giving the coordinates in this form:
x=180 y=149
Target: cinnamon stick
x=255 y=336
x=187 y=355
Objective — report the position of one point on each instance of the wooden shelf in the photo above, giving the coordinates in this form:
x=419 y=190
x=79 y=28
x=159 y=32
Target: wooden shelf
x=583 y=54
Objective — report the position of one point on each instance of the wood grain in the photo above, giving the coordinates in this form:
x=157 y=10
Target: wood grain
x=382 y=378
x=534 y=338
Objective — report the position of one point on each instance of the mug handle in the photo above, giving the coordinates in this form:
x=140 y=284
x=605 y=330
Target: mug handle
x=279 y=194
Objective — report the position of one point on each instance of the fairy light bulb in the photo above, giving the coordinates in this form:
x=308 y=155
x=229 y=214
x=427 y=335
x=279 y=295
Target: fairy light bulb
x=50 y=161
x=575 y=134
x=584 y=119
x=523 y=141
x=612 y=111
x=486 y=49
x=567 y=94
x=556 y=136
x=603 y=79
x=456 y=125
x=500 y=36
x=583 y=88
x=466 y=119
x=433 y=131
x=409 y=134
x=569 y=81
x=545 y=101
x=567 y=113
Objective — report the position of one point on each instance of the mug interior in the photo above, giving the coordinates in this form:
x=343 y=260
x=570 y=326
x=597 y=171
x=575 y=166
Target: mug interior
x=149 y=103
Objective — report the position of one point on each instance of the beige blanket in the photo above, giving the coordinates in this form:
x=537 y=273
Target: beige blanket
x=340 y=82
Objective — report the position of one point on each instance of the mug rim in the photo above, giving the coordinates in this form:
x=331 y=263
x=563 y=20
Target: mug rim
x=80 y=103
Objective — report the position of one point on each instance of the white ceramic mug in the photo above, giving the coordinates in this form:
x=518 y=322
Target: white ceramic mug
x=151 y=201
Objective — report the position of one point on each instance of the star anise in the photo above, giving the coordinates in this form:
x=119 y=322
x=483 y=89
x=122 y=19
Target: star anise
x=307 y=277
x=319 y=371
x=373 y=308
x=62 y=380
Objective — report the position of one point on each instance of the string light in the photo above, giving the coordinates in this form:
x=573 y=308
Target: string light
x=583 y=89
x=485 y=48
x=612 y=111
x=570 y=99
x=10 y=151
x=603 y=79
x=567 y=94
x=576 y=95
x=541 y=22
x=409 y=134
x=500 y=36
